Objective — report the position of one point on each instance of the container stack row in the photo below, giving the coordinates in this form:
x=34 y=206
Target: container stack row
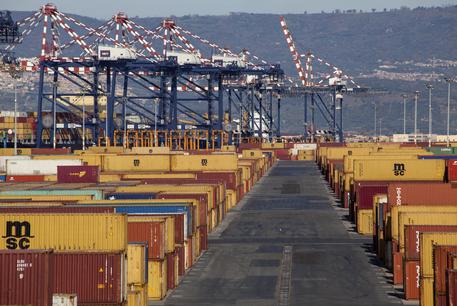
x=405 y=197
x=111 y=226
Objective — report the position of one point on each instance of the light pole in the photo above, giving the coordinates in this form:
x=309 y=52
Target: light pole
x=416 y=98
x=156 y=142
x=15 y=116
x=375 y=123
x=429 y=87
x=54 y=113
x=404 y=113
x=449 y=81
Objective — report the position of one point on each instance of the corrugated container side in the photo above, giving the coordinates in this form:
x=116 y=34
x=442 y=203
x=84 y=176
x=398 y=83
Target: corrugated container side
x=427 y=242
x=137 y=269
x=78 y=174
x=421 y=193
x=157 y=280
x=412 y=234
x=96 y=278
x=399 y=170
x=153 y=233
x=452 y=285
x=37 y=167
x=64 y=232
x=440 y=260
x=411 y=279
x=26 y=277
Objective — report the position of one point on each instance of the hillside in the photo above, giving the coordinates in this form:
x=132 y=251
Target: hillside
x=398 y=50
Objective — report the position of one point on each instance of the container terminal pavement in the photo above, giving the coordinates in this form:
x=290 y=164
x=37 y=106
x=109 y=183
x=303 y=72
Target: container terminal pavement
x=258 y=224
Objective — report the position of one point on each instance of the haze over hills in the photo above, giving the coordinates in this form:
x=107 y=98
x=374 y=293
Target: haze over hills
x=398 y=50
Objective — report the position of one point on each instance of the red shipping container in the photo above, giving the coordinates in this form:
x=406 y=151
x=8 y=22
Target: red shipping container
x=24 y=178
x=440 y=265
x=365 y=191
x=421 y=193
x=452 y=287
x=96 y=278
x=397 y=267
x=26 y=278
x=452 y=170
x=411 y=280
x=181 y=260
x=170 y=259
x=229 y=178
x=47 y=151
x=78 y=174
x=412 y=247
x=203 y=232
x=153 y=233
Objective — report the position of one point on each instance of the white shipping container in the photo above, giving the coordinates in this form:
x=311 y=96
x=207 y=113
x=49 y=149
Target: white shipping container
x=305 y=146
x=3 y=160
x=64 y=300
x=38 y=167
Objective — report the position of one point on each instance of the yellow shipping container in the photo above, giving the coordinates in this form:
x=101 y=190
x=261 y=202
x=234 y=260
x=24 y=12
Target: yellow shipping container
x=10 y=151
x=270 y=145
x=150 y=150
x=116 y=150
x=144 y=176
x=137 y=296
x=64 y=232
x=426 y=291
x=109 y=178
x=399 y=170
x=136 y=163
x=157 y=280
x=169 y=228
x=340 y=152
x=396 y=210
x=427 y=241
x=252 y=154
x=423 y=218
x=365 y=221
x=136 y=260
x=204 y=162
x=228 y=148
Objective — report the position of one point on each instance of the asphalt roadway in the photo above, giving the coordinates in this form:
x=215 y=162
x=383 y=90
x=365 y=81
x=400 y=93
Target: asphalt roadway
x=287 y=243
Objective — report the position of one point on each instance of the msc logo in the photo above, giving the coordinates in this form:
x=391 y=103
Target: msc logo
x=204 y=162
x=136 y=162
x=17 y=235
x=399 y=169
x=78 y=174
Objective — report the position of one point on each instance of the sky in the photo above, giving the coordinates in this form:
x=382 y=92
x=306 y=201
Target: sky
x=153 y=8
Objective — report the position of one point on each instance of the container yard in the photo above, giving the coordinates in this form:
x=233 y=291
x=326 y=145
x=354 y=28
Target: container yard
x=142 y=164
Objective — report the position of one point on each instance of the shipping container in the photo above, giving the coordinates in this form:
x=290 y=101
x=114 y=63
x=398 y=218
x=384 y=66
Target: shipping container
x=411 y=279
x=427 y=241
x=410 y=244
x=96 y=278
x=26 y=277
x=152 y=233
x=137 y=296
x=157 y=279
x=399 y=170
x=421 y=193
x=136 y=163
x=4 y=159
x=78 y=174
x=440 y=265
x=452 y=287
x=365 y=221
x=137 y=269
x=204 y=162
x=64 y=232
x=452 y=170
x=169 y=233
x=37 y=167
